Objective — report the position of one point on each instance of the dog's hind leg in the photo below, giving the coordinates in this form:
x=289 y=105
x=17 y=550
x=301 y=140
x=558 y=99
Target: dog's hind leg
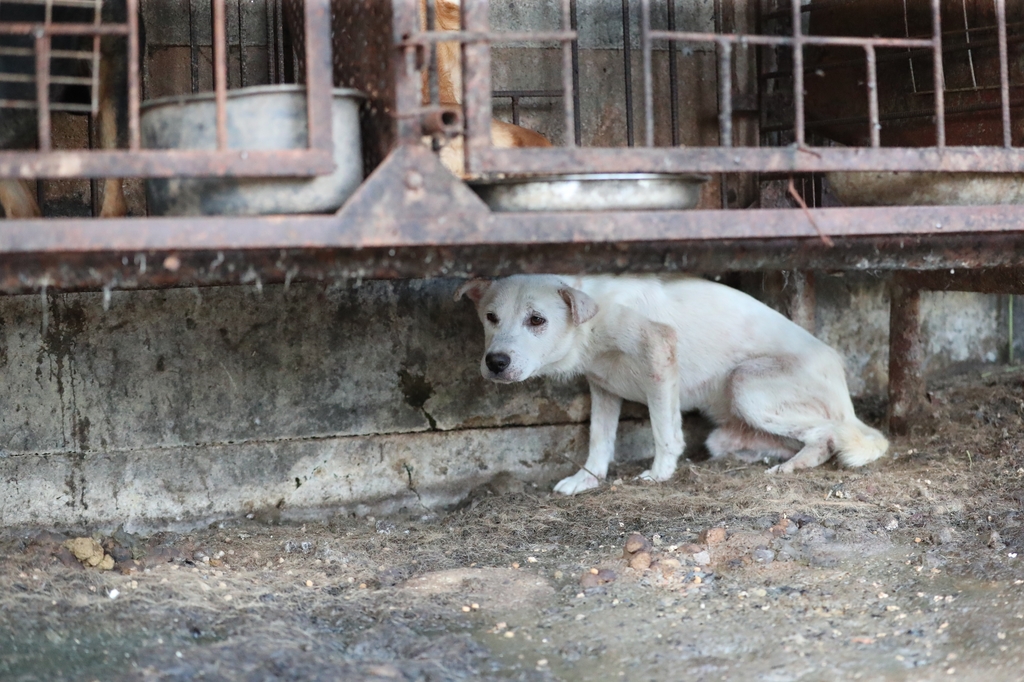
x=738 y=440
x=780 y=395
x=604 y=423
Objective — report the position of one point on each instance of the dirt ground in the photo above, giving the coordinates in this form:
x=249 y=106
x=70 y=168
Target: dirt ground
x=905 y=570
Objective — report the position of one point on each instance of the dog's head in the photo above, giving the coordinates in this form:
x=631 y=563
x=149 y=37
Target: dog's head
x=531 y=324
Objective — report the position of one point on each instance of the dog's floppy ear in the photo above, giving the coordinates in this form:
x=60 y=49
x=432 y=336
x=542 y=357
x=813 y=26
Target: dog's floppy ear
x=582 y=306
x=474 y=289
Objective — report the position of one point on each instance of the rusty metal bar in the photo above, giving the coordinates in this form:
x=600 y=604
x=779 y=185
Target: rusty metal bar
x=476 y=84
x=43 y=90
x=568 y=79
x=94 y=89
x=193 y=46
x=433 y=86
x=873 y=122
x=18 y=28
x=54 y=80
x=751 y=159
x=279 y=39
x=268 y=16
x=798 y=75
x=577 y=132
x=627 y=65
x=673 y=75
x=906 y=389
x=724 y=93
x=938 y=77
x=134 y=96
x=220 y=71
x=648 y=69
x=243 y=79
x=54 y=106
x=615 y=242
x=783 y=41
x=319 y=76
x=1004 y=73
x=487 y=37
x=164 y=163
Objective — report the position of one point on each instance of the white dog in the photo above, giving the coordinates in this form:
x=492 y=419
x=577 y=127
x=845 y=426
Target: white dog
x=675 y=344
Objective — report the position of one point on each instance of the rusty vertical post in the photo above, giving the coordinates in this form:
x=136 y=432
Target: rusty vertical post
x=220 y=71
x=43 y=88
x=906 y=387
x=476 y=81
x=134 y=96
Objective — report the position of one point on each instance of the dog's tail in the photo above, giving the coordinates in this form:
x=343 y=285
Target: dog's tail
x=857 y=443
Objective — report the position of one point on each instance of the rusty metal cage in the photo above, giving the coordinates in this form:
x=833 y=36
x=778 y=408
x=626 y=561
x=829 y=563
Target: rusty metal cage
x=135 y=161
x=927 y=53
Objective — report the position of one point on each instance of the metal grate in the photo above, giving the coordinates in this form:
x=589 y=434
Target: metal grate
x=924 y=48
x=135 y=161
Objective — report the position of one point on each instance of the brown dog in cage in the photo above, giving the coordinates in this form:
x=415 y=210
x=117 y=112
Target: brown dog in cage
x=447 y=17
x=71 y=71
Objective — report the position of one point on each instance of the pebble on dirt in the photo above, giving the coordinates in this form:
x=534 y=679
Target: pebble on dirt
x=713 y=536
x=90 y=553
x=597 y=577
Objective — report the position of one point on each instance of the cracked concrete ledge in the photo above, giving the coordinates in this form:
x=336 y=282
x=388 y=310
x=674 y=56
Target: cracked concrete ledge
x=188 y=487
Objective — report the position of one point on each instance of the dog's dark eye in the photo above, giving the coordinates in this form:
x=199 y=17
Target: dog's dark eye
x=536 y=320
x=492 y=318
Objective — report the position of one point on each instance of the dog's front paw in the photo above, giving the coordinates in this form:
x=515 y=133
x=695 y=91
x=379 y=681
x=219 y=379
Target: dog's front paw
x=577 y=483
x=655 y=476
x=784 y=468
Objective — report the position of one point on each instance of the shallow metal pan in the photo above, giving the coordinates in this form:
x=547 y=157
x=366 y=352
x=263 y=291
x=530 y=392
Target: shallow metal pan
x=593 y=192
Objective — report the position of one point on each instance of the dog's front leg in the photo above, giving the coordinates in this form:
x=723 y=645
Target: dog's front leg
x=604 y=422
x=662 y=380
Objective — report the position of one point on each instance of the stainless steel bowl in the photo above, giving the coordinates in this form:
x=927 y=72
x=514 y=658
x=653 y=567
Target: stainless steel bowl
x=267 y=117
x=593 y=192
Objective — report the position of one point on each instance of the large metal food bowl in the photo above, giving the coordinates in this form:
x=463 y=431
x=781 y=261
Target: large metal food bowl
x=889 y=188
x=259 y=118
x=593 y=192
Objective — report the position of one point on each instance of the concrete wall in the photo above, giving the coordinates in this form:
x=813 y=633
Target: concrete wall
x=188 y=405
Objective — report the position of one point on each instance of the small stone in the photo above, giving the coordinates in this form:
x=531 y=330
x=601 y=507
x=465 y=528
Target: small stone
x=763 y=555
x=309 y=583
x=636 y=543
x=784 y=527
x=690 y=548
x=86 y=550
x=891 y=523
x=667 y=566
x=944 y=536
x=713 y=536
x=995 y=541
x=596 y=578
x=640 y=561
x=702 y=558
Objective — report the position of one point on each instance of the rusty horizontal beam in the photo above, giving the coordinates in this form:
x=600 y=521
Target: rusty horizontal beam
x=162 y=163
x=747 y=159
x=751 y=39
x=172 y=266
x=470 y=228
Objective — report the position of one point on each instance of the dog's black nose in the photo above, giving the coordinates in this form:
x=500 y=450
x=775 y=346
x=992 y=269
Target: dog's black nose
x=497 y=362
